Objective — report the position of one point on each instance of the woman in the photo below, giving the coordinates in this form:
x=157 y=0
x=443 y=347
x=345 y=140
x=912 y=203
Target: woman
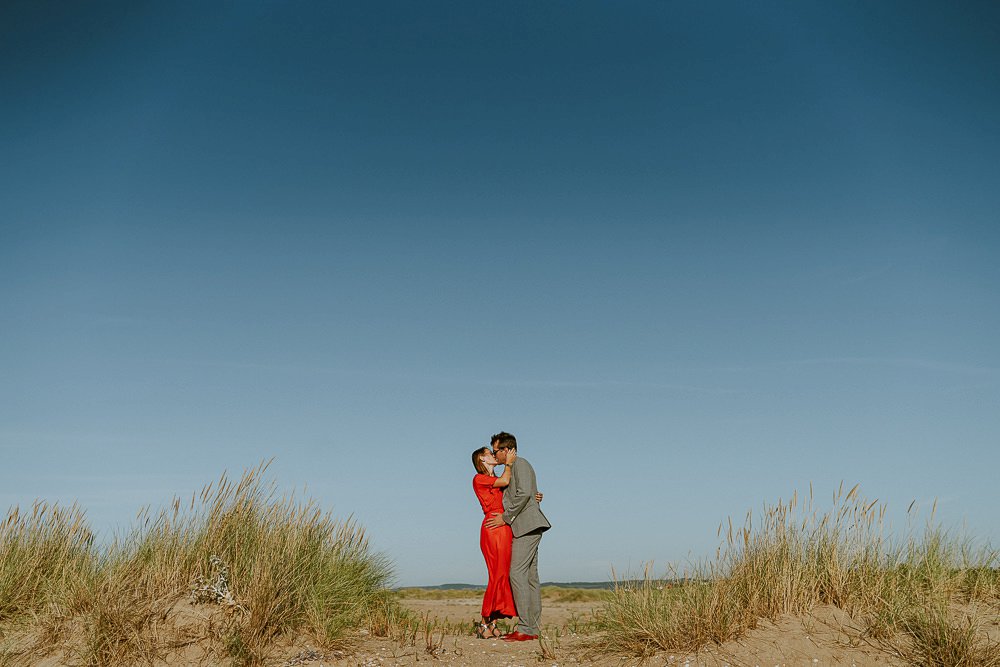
x=498 y=601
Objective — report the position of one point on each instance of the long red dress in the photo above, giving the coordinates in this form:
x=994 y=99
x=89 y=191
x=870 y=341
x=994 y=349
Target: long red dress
x=498 y=602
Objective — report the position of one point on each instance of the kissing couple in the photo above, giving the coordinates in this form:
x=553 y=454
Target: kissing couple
x=512 y=529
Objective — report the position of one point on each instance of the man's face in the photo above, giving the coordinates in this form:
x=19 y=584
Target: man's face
x=500 y=454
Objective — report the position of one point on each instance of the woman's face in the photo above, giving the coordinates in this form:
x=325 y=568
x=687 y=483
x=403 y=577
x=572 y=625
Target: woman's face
x=489 y=460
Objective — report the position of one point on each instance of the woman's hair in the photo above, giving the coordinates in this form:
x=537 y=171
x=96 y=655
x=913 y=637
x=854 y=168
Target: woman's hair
x=477 y=460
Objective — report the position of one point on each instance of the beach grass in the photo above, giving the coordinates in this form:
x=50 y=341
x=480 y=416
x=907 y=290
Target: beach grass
x=550 y=593
x=919 y=595
x=235 y=568
x=238 y=573
x=417 y=593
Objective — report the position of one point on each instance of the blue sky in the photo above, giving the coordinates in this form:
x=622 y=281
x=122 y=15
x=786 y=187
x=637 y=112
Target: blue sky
x=694 y=255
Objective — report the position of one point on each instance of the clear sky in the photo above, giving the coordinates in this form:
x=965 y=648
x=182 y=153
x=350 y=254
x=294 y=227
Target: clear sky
x=694 y=255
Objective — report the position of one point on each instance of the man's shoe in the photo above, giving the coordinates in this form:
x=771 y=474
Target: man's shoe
x=518 y=637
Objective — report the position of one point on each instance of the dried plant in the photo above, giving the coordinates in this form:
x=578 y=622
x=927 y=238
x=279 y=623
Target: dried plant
x=792 y=560
x=278 y=568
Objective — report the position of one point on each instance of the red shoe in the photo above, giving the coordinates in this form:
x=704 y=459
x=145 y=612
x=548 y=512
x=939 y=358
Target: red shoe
x=518 y=637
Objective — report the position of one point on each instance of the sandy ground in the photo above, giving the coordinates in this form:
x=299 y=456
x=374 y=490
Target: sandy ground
x=824 y=638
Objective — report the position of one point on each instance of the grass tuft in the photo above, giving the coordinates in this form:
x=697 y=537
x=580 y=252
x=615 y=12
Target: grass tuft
x=939 y=640
x=41 y=554
x=262 y=568
x=791 y=560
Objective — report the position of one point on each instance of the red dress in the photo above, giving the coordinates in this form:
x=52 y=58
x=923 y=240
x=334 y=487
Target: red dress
x=498 y=602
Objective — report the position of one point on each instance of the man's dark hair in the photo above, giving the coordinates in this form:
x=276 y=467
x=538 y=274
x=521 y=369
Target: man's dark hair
x=504 y=439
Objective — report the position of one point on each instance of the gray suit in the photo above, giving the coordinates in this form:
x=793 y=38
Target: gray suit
x=521 y=511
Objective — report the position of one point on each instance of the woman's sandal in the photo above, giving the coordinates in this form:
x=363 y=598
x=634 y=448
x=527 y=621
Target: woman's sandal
x=494 y=630
x=481 y=630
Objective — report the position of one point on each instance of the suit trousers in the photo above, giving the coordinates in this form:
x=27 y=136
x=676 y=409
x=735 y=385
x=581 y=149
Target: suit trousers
x=524 y=581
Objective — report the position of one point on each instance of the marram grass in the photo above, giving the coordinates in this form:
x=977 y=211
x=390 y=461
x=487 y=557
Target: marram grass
x=235 y=569
x=238 y=573
x=793 y=559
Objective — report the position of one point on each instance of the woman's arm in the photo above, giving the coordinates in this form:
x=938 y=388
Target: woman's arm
x=503 y=480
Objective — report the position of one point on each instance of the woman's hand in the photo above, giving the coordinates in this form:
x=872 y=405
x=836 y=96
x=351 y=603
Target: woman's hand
x=538 y=497
x=511 y=455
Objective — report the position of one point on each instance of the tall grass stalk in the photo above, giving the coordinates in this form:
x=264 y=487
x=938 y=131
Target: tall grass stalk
x=41 y=554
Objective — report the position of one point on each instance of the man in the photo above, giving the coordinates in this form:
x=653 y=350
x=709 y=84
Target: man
x=527 y=523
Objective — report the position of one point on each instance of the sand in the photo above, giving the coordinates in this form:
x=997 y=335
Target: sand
x=828 y=636
x=823 y=638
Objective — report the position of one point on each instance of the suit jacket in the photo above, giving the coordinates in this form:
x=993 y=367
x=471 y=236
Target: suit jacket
x=520 y=509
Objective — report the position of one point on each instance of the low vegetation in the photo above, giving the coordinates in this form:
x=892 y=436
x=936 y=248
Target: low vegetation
x=549 y=593
x=238 y=575
x=923 y=597
x=235 y=572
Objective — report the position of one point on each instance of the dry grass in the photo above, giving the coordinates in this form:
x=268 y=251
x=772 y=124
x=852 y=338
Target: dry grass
x=240 y=573
x=41 y=554
x=938 y=638
x=565 y=594
x=261 y=569
x=440 y=593
x=795 y=559
x=550 y=593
